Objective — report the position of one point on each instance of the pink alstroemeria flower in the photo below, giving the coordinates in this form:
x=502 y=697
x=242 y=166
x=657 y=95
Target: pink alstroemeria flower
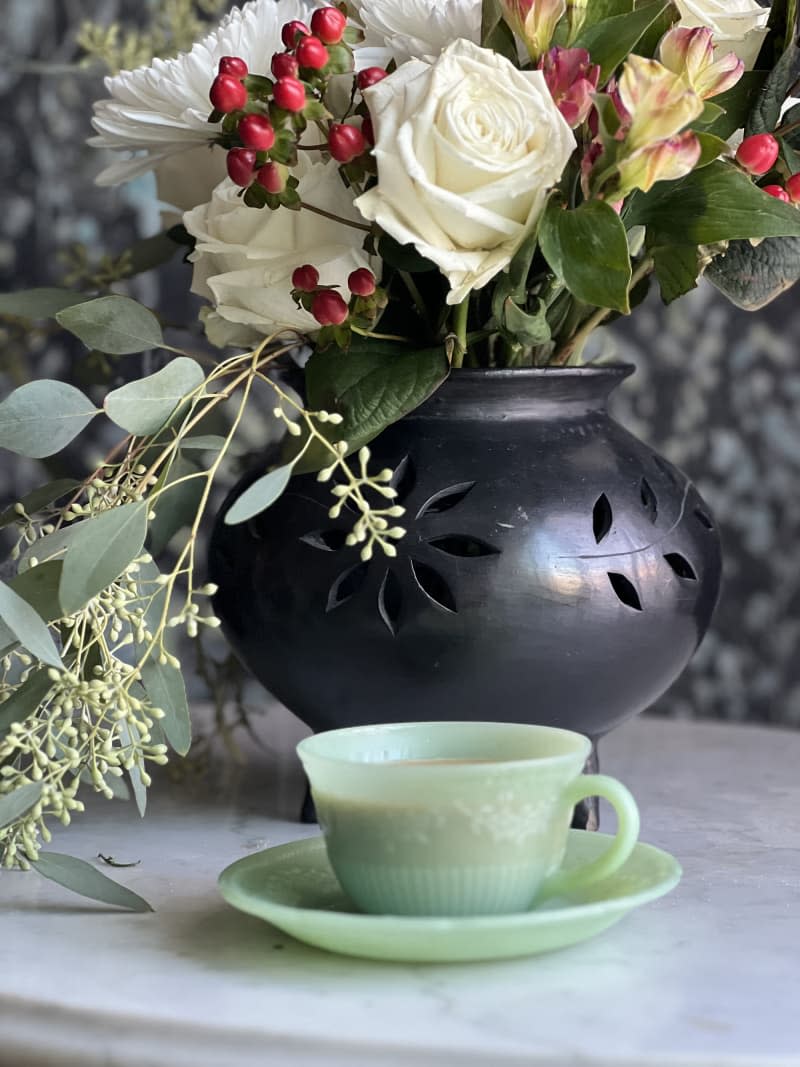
x=690 y=52
x=572 y=79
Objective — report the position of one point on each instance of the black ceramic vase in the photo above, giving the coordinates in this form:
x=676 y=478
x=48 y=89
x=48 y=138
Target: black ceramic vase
x=555 y=569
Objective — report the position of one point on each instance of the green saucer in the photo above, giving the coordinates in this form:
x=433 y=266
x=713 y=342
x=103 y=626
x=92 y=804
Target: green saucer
x=293 y=887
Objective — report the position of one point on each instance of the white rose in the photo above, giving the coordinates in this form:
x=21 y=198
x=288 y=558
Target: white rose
x=738 y=26
x=467 y=149
x=244 y=257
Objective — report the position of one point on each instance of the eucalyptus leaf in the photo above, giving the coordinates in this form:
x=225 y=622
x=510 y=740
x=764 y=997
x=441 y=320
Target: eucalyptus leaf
x=113 y=324
x=25 y=699
x=144 y=406
x=151 y=252
x=41 y=417
x=51 y=545
x=716 y=203
x=134 y=773
x=28 y=627
x=752 y=277
x=176 y=505
x=39 y=587
x=82 y=878
x=259 y=496
x=43 y=303
x=588 y=249
x=107 y=544
x=39 y=499
x=609 y=42
x=207 y=442
x=19 y=802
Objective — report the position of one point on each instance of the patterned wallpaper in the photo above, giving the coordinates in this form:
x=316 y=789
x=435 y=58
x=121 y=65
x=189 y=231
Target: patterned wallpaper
x=717 y=390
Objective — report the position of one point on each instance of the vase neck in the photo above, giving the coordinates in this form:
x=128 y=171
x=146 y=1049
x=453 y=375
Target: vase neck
x=524 y=393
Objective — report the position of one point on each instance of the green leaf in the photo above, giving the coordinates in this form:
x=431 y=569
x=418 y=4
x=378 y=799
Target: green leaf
x=28 y=627
x=717 y=203
x=403 y=257
x=495 y=31
x=24 y=700
x=14 y=805
x=711 y=148
x=528 y=328
x=752 y=277
x=164 y=683
x=38 y=499
x=711 y=113
x=677 y=268
x=609 y=42
x=82 y=878
x=51 y=545
x=41 y=417
x=737 y=103
x=114 y=324
x=144 y=406
x=209 y=442
x=767 y=109
x=371 y=386
x=134 y=773
x=151 y=252
x=600 y=10
x=108 y=542
x=39 y=587
x=176 y=505
x=588 y=249
x=33 y=304
x=260 y=495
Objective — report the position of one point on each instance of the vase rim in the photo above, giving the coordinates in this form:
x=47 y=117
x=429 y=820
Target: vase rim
x=589 y=370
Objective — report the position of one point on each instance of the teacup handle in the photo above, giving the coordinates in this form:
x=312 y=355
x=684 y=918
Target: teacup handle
x=598 y=785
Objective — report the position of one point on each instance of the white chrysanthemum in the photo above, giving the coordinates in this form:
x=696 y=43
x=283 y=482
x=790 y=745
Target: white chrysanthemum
x=419 y=29
x=161 y=110
x=244 y=257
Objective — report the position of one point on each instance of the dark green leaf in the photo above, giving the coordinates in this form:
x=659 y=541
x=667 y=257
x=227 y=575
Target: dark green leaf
x=767 y=109
x=528 y=328
x=520 y=266
x=711 y=113
x=25 y=699
x=114 y=324
x=588 y=249
x=28 y=627
x=107 y=544
x=495 y=31
x=39 y=499
x=41 y=417
x=259 y=496
x=372 y=386
x=151 y=252
x=14 y=805
x=610 y=41
x=39 y=587
x=717 y=203
x=738 y=103
x=176 y=505
x=82 y=878
x=676 y=267
x=144 y=406
x=403 y=257
x=752 y=277
x=36 y=304
x=600 y=10
x=711 y=148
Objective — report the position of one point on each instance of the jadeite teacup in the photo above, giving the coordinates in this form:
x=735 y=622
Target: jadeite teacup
x=457 y=818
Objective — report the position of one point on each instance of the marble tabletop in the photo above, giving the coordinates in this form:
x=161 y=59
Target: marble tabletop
x=707 y=977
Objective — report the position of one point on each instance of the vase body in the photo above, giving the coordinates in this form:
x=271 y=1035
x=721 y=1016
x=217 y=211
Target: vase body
x=555 y=569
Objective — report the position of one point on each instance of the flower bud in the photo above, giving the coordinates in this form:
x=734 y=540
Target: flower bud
x=233 y=65
x=329 y=308
x=758 y=154
x=534 y=21
x=329 y=24
x=292 y=31
x=793 y=188
x=227 y=94
x=778 y=192
x=284 y=66
x=256 y=132
x=240 y=163
x=312 y=53
x=361 y=282
x=571 y=78
x=666 y=160
x=305 y=278
x=659 y=102
x=370 y=76
x=273 y=177
x=289 y=94
x=345 y=143
x=690 y=53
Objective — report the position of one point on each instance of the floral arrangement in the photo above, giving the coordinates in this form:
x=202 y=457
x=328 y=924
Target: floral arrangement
x=374 y=194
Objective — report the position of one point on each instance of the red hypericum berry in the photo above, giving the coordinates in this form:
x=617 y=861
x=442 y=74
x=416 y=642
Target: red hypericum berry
x=273 y=178
x=227 y=94
x=329 y=308
x=312 y=53
x=361 y=282
x=256 y=132
x=292 y=30
x=793 y=188
x=367 y=130
x=778 y=192
x=289 y=94
x=306 y=278
x=284 y=65
x=240 y=163
x=329 y=24
x=233 y=65
x=370 y=76
x=757 y=154
x=345 y=142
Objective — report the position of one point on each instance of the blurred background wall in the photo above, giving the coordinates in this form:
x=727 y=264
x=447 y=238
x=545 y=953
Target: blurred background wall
x=717 y=390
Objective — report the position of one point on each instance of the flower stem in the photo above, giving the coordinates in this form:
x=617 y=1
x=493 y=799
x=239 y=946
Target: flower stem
x=460 y=330
x=335 y=218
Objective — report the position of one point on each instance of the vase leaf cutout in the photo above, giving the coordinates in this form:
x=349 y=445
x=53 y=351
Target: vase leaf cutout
x=625 y=590
x=649 y=500
x=426 y=577
x=602 y=518
x=681 y=566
